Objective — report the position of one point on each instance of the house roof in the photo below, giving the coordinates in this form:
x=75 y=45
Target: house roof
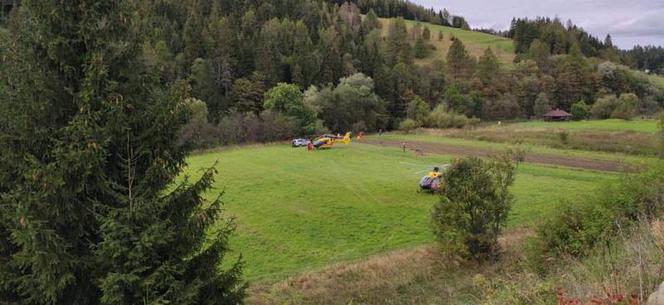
x=557 y=113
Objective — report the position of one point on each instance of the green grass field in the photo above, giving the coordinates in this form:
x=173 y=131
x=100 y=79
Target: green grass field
x=608 y=125
x=538 y=149
x=299 y=211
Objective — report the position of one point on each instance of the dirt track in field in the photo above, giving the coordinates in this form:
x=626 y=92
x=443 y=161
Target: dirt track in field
x=446 y=149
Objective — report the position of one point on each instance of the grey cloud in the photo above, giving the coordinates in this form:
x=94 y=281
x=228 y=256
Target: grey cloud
x=649 y=24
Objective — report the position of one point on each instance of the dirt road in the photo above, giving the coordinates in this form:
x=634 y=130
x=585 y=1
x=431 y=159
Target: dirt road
x=446 y=149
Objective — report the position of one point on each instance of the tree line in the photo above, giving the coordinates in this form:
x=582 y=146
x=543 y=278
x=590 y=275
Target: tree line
x=559 y=39
x=646 y=58
x=230 y=55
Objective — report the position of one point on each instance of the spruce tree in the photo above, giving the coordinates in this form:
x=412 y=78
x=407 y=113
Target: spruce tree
x=426 y=33
x=539 y=52
x=398 y=48
x=459 y=62
x=91 y=211
x=420 y=49
x=488 y=68
x=371 y=22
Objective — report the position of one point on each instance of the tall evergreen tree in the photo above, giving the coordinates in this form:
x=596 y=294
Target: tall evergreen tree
x=540 y=53
x=398 y=48
x=371 y=22
x=459 y=62
x=574 y=80
x=488 y=68
x=91 y=211
x=426 y=33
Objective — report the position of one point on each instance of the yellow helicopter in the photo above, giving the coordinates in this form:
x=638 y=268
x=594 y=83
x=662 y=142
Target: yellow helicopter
x=328 y=140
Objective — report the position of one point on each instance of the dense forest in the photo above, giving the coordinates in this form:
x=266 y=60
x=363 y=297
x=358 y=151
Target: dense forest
x=560 y=38
x=267 y=70
x=646 y=58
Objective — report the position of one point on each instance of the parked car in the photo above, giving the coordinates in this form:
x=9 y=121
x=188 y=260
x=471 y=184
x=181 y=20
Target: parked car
x=300 y=142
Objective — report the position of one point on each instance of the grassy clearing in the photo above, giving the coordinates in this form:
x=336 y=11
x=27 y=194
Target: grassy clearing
x=635 y=137
x=449 y=139
x=298 y=211
x=633 y=264
x=627 y=142
x=649 y=126
x=475 y=42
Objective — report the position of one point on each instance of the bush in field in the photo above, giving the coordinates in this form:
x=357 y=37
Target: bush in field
x=637 y=196
x=580 y=110
x=564 y=137
x=408 y=125
x=475 y=202
x=578 y=228
x=626 y=106
x=441 y=118
x=574 y=230
x=604 y=107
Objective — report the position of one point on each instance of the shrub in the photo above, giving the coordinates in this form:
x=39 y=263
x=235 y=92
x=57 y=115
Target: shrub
x=441 y=118
x=573 y=231
x=475 y=202
x=637 y=196
x=626 y=106
x=579 y=228
x=604 y=107
x=564 y=137
x=408 y=125
x=580 y=110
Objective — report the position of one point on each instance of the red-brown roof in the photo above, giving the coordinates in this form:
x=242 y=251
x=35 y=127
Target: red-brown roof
x=557 y=114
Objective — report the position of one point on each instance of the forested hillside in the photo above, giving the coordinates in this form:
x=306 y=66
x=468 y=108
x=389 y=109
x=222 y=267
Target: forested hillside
x=348 y=69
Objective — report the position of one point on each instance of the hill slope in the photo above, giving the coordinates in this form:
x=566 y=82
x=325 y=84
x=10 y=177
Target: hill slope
x=475 y=42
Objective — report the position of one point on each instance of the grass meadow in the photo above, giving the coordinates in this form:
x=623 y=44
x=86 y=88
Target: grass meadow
x=649 y=126
x=299 y=211
x=619 y=140
x=475 y=42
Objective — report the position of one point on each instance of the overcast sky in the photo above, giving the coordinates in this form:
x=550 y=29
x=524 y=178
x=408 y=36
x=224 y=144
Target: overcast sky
x=629 y=22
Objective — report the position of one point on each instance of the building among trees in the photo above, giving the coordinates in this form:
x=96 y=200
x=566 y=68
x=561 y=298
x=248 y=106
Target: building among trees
x=557 y=115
